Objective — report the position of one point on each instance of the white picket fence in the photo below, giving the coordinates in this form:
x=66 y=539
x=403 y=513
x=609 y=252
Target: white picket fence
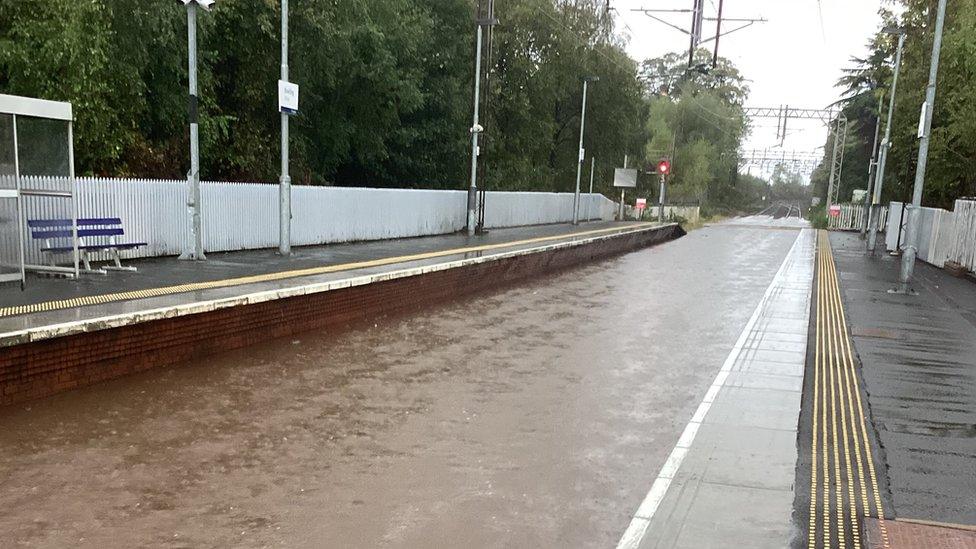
x=852 y=217
x=239 y=216
x=943 y=235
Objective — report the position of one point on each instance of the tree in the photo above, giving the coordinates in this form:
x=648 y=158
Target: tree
x=699 y=122
x=951 y=169
x=386 y=88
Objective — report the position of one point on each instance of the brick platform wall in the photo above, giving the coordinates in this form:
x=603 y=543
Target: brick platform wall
x=43 y=368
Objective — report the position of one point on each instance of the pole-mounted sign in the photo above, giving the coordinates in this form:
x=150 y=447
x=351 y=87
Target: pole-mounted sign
x=921 y=119
x=287 y=97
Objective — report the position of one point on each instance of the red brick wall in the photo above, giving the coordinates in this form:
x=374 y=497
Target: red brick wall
x=47 y=367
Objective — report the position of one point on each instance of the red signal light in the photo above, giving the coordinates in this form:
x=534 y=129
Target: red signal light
x=664 y=167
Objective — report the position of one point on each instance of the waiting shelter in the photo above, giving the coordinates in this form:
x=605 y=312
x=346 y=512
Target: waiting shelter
x=37 y=182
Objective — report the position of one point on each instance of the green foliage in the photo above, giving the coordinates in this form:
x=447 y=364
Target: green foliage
x=951 y=171
x=696 y=119
x=386 y=88
x=818 y=217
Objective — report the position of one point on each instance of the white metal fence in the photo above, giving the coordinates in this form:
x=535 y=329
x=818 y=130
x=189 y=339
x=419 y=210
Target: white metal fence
x=852 y=217
x=238 y=216
x=962 y=241
x=943 y=235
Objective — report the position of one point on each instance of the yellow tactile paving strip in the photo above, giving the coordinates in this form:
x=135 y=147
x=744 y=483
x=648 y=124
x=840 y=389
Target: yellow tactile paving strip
x=843 y=480
x=312 y=271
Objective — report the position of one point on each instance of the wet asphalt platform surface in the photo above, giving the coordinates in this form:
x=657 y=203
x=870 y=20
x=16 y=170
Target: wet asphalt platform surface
x=536 y=416
x=918 y=356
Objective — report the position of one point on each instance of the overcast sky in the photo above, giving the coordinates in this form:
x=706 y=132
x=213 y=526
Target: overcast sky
x=795 y=58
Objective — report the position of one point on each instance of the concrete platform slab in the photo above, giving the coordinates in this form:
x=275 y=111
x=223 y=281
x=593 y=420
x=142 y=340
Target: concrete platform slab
x=729 y=480
x=699 y=517
x=736 y=455
x=752 y=407
x=753 y=380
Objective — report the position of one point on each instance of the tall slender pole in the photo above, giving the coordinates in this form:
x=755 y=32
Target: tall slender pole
x=284 y=189
x=620 y=212
x=718 y=33
x=915 y=214
x=660 y=211
x=872 y=167
x=579 y=164
x=475 y=130
x=74 y=195
x=589 y=199
x=883 y=155
x=22 y=222
x=193 y=250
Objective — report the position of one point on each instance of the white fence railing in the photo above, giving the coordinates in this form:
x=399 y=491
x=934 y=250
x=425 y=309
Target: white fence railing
x=943 y=235
x=962 y=241
x=238 y=216
x=852 y=217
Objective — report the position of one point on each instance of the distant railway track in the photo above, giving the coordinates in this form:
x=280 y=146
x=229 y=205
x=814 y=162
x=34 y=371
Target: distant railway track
x=780 y=210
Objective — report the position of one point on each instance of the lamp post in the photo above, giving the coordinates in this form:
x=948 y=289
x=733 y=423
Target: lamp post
x=885 y=144
x=925 y=131
x=194 y=250
x=476 y=128
x=872 y=173
x=284 y=187
x=579 y=163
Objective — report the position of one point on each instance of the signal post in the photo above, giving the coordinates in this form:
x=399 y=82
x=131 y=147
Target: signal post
x=663 y=169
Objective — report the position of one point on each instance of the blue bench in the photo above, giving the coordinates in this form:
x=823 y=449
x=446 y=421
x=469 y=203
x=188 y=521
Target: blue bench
x=97 y=234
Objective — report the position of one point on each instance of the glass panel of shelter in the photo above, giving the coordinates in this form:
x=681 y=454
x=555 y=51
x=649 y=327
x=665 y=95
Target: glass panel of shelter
x=11 y=259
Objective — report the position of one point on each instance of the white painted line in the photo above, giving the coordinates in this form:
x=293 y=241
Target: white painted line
x=688 y=436
x=637 y=529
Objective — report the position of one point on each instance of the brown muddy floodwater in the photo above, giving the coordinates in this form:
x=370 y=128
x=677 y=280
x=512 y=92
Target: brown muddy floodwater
x=537 y=416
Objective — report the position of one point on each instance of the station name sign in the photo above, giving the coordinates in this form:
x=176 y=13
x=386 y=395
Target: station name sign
x=287 y=97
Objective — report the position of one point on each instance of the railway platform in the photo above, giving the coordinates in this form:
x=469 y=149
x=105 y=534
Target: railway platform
x=62 y=334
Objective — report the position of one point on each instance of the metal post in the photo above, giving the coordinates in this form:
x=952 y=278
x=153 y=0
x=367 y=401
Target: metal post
x=74 y=196
x=914 y=215
x=660 y=211
x=579 y=164
x=883 y=155
x=194 y=249
x=284 y=189
x=872 y=166
x=620 y=211
x=901 y=225
x=833 y=166
x=589 y=199
x=475 y=130
x=697 y=18
x=21 y=218
x=718 y=33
